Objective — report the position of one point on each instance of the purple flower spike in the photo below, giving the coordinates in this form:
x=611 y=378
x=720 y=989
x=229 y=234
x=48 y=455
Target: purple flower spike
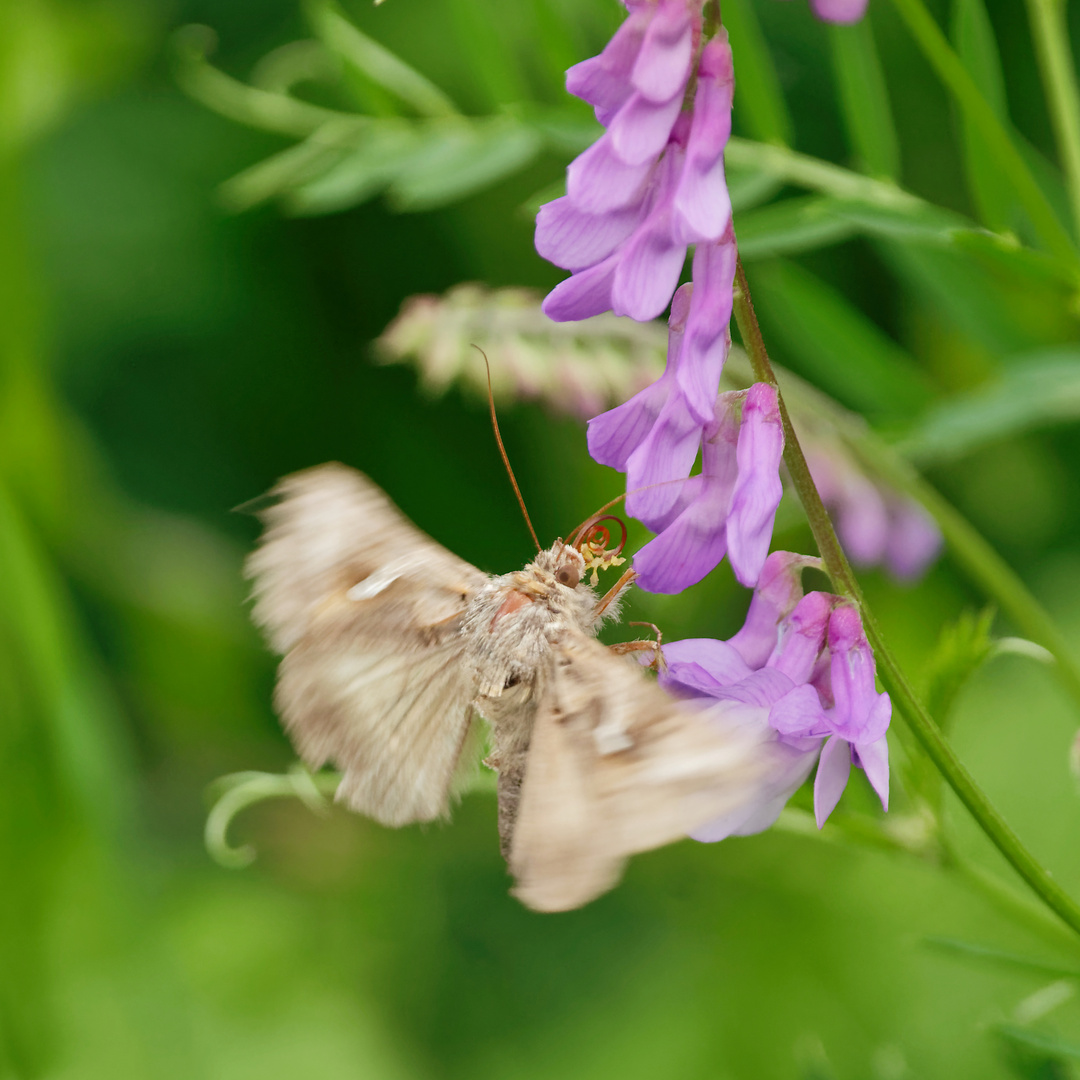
x=914 y=540
x=839 y=11
x=768 y=677
x=652 y=184
x=758 y=490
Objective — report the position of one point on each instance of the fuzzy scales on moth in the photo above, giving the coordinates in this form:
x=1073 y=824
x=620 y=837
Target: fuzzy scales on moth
x=510 y=629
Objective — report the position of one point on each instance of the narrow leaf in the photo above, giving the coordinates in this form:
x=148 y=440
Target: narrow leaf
x=377 y=62
x=791 y=226
x=460 y=158
x=864 y=99
x=989 y=954
x=759 y=101
x=833 y=344
x=991 y=193
x=981 y=115
x=1040 y=390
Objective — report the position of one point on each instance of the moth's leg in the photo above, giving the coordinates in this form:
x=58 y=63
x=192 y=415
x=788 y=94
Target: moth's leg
x=655 y=647
x=613 y=593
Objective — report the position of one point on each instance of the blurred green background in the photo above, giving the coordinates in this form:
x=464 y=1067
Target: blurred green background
x=164 y=359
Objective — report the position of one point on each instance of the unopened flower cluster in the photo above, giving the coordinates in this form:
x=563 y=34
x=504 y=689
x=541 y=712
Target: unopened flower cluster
x=650 y=188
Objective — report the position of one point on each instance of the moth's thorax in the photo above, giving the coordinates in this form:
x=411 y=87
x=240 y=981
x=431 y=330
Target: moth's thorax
x=513 y=621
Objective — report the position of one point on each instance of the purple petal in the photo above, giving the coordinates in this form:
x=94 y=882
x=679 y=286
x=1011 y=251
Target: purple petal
x=779 y=589
x=640 y=129
x=851 y=672
x=691 y=545
x=839 y=11
x=650 y=263
x=874 y=758
x=665 y=455
x=832 y=777
x=702 y=204
x=663 y=64
x=613 y=436
x=914 y=539
x=707 y=341
x=718 y=659
x=598 y=180
x=799 y=713
x=758 y=490
x=574 y=240
x=762 y=688
x=802 y=637
x=786 y=769
x=604 y=81
x=586 y=293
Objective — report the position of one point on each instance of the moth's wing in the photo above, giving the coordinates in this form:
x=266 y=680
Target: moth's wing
x=615 y=766
x=367 y=610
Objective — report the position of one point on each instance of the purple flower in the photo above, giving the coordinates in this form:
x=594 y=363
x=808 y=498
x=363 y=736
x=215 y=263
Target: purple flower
x=875 y=523
x=839 y=11
x=804 y=672
x=654 y=182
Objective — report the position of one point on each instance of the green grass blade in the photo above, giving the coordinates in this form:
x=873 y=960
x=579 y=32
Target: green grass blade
x=759 y=100
x=864 y=100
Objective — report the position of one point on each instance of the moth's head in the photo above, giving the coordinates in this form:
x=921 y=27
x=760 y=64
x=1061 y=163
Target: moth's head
x=565 y=564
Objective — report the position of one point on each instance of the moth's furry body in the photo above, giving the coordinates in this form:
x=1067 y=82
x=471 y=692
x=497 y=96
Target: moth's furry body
x=391 y=646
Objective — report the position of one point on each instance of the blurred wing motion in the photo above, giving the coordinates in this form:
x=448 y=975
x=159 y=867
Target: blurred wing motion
x=615 y=766
x=367 y=611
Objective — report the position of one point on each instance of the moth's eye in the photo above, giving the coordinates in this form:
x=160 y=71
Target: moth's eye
x=568 y=576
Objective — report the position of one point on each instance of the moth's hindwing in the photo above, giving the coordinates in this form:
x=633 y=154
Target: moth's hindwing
x=367 y=612
x=615 y=766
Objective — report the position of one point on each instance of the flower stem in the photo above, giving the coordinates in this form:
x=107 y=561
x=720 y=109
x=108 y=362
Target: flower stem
x=1051 y=34
x=911 y=708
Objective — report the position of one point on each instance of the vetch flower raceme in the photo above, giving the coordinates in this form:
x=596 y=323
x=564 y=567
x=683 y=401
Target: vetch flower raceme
x=803 y=670
x=729 y=507
x=654 y=182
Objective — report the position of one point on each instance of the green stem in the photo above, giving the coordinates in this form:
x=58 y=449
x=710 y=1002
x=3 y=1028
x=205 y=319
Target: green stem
x=954 y=75
x=914 y=712
x=1050 y=30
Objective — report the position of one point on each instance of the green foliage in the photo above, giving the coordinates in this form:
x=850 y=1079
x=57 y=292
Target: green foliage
x=162 y=362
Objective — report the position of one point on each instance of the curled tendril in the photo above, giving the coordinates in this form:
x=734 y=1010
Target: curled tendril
x=592 y=540
x=238 y=791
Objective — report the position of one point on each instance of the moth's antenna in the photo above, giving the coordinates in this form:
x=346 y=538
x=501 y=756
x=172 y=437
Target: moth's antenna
x=502 y=450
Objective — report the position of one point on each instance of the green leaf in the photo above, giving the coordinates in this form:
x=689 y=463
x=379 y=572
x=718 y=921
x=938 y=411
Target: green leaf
x=864 y=99
x=980 y=114
x=759 y=101
x=279 y=174
x=376 y=62
x=991 y=193
x=833 y=344
x=360 y=174
x=1048 y=1045
x=791 y=226
x=988 y=954
x=459 y=158
x=1036 y=391
x=963 y=647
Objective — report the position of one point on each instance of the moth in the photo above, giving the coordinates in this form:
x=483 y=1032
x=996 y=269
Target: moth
x=395 y=650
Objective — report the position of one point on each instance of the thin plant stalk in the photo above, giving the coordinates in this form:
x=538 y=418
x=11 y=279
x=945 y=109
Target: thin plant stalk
x=911 y=708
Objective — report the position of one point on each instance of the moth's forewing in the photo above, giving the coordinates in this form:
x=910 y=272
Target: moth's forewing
x=367 y=610
x=615 y=766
